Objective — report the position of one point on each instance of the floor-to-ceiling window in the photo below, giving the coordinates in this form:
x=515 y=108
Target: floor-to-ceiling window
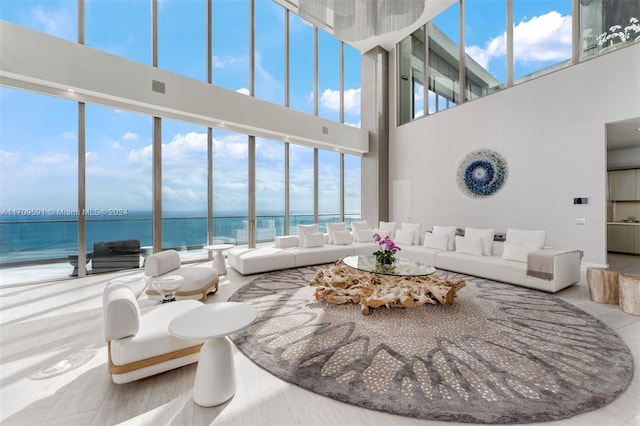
x=122 y=28
x=184 y=188
x=269 y=51
x=182 y=37
x=270 y=189
x=328 y=76
x=231 y=45
x=230 y=188
x=301 y=64
x=301 y=186
x=39 y=180
x=328 y=187
x=352 y=188
x=351 y=86
x=118 y=189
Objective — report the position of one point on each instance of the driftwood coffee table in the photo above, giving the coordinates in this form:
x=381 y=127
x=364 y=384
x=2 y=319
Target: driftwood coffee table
x=357 y=279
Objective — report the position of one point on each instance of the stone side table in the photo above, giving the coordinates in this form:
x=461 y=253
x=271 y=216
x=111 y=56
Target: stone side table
x=603 y=285
x=629 y=288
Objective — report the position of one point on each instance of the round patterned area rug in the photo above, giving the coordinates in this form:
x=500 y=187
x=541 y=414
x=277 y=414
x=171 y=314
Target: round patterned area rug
x=500 y=354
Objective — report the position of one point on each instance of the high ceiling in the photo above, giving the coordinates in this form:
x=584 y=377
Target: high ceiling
x=365 y=24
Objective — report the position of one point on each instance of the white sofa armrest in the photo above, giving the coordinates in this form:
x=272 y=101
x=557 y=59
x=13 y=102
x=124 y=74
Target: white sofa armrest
x=121 y=312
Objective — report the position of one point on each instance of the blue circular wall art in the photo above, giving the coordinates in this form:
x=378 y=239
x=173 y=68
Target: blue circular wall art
x=482 y=173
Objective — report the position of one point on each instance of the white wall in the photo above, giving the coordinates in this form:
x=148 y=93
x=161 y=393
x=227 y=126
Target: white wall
x=36 y=61
x=550 y=130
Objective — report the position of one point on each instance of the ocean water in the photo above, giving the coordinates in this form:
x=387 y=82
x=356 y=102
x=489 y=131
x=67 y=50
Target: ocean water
x=33 y=238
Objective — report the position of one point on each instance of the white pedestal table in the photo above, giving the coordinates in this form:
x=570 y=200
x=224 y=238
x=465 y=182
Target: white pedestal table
x=215 y=380
x=218 y=260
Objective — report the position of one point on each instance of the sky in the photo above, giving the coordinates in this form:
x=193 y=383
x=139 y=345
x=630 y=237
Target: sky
x=38 y=134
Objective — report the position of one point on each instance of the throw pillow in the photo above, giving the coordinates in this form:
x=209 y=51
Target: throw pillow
x=404 y=237
x=313 y=239
x=486 y=235
x=525 y=236
x=436 y=241
x=363 y=235
x=518 y=252
x=333 y=227
x=415 y=227
x=449 y=231
x=387 y=229
x=469 y=245
x=304 y=229
x=359 y=225
x=342 y=237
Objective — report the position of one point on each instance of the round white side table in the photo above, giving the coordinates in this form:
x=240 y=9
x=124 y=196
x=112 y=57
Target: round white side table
x=215 y=380
x=218 y=260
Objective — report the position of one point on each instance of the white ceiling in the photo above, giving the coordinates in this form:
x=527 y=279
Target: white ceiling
x=389 y=40
x=624 y=134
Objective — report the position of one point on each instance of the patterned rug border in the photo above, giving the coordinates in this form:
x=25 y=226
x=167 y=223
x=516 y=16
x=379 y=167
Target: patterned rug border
x=585 y=338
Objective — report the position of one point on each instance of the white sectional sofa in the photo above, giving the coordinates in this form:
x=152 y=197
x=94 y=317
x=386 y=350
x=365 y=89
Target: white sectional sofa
x=499 y=265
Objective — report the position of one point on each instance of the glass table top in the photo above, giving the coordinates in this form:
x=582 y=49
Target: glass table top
x=401 y=268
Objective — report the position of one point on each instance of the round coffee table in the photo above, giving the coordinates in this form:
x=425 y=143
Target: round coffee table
x=218 y=260
x=215 y=380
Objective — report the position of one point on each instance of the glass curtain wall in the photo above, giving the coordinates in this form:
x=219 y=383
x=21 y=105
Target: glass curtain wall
x=119 y=147
x=184 y=188
x=39 y=181
x=230 y=188
x=118 y=170
x=270 y=190
x=443 y=72
x=607 y=25
x=352 y=188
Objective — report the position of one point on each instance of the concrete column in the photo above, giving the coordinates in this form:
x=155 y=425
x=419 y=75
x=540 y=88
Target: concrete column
x=374 y=68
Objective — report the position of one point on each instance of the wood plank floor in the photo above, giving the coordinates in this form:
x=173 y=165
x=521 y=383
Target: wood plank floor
x=53 y=370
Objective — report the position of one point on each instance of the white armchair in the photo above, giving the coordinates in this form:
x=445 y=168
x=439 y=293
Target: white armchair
x=139 y=342
x=198 y=281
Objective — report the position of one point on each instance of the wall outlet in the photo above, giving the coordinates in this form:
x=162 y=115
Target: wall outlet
x=581 y=221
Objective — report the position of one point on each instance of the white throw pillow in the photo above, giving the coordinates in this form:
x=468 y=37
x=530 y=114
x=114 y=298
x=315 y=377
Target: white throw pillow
x=304 y=229
x=436 y=241
x=415 y=227
x=486 y=235
x=469 y=245
x=404 y=237
x=313 y=239
x=333 y=227
x=363 y=235
x=387 y=229
x=518 y=252
x=342 y=237
x=360 y=225
x=525 y=236
x=449 y=231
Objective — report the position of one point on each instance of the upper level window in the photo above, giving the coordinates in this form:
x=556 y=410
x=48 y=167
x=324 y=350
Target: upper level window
x=54 y=17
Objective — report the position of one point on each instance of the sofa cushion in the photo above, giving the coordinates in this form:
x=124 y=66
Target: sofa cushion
x=303 y=229
x=419 y=254
x=287 y=241
x=404 y=237
x=518 y=252
x=415 y=227
x=333 y=227
x=449 y=231
x=486 y=235
x=320 y=255
x=363 y=235
x=436 y=241
x=526 y=236
x=342 y=237
x=360 y=225
x=313 y=239
x=469 y=245
x=387 y=229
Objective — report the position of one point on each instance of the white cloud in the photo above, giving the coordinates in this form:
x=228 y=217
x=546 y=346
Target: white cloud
x=330 y=99
x=243 y=91
x=116 y=145
x=130 y=136
x=90 y=157
x=54 y=158
x=55 y=22
x=9 y=157
x=542 y=38
x=217 y=62
x=142 y=155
